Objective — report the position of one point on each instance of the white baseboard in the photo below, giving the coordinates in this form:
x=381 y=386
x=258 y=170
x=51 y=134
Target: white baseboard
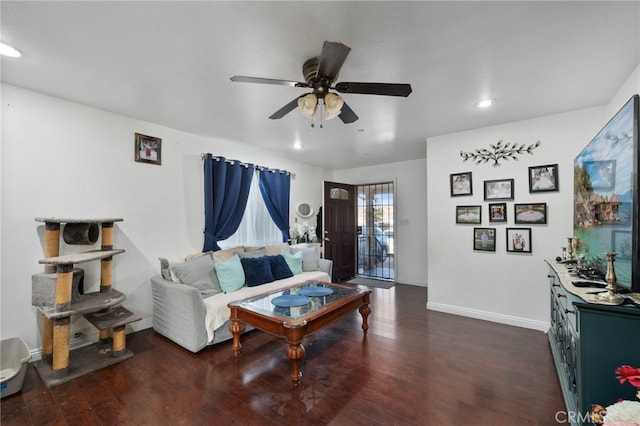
x=489 y=316
x=143 y=324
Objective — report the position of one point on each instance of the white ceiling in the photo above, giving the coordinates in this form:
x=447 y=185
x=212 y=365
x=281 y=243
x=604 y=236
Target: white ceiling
x=170 y=63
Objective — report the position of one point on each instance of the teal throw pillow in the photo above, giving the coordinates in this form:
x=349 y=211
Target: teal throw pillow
x=294 y=261
x=230 y=274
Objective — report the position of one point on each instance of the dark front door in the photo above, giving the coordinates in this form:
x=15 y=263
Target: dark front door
x=340 y=228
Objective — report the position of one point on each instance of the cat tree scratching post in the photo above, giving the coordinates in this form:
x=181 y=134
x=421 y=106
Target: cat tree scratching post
x=58 y=298
x=51 y=249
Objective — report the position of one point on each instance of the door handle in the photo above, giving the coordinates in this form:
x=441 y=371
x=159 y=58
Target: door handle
x=326 y=239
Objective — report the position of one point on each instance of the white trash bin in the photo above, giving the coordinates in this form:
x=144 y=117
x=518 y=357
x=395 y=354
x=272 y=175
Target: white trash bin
x=14 y=359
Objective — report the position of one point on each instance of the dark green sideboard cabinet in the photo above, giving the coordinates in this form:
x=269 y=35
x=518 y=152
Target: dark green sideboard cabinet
x=589 y=341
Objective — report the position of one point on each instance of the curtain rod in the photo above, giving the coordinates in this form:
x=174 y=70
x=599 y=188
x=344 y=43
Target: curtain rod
x=255 y=166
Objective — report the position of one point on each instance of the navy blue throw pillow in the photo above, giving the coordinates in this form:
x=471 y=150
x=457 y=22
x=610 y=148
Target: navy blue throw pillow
x=279 y=267
x=257 y=270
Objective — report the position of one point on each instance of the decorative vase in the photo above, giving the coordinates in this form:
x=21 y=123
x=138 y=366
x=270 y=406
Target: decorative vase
x=570 y=248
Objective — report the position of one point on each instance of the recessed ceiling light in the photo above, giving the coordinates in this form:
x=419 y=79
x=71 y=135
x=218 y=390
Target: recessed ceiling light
x=7 y=50
x=297 y=145
x=485 y=103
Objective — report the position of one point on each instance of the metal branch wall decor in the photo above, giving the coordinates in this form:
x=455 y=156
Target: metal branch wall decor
x=501 y=151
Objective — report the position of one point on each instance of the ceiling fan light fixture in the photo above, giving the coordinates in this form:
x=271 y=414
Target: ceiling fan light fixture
x=308 y=105
x=485 y=103
x=333 y=105
x=320 y=73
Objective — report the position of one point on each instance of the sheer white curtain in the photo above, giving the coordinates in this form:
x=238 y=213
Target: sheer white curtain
x=257 y=228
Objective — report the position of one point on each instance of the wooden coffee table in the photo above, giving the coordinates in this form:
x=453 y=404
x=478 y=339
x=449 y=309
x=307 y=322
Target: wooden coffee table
x=295 y=322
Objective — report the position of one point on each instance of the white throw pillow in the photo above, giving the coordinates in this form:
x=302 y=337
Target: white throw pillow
x=310 y=258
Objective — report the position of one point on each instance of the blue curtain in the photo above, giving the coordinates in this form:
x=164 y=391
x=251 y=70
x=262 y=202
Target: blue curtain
x=226 y=190
x=275 y=187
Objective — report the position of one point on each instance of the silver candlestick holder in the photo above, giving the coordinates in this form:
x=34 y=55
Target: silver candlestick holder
x=570 y=255
x=611 y=296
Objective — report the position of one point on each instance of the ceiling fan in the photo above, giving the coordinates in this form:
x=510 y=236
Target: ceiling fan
x=320 y=73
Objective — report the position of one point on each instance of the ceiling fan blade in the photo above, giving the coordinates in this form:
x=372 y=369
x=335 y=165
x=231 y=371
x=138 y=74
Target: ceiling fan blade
x=388 y=89
x=347 y=115
x=245 y=79
x=331 y=59
x=285 y=109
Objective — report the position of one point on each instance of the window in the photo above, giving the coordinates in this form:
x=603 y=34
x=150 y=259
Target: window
x=257 y=228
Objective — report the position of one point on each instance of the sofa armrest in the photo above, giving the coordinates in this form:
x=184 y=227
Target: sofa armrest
x=326 y=265
x=179 y=313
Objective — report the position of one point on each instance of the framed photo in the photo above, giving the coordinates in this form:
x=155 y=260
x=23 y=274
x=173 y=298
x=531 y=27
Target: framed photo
x=148 y=149
x=469 y=214
x=498 y=212
x=460 y=184
x=519 y=240
x=501 y=189
x=601 y=173
x=484 y=239
x=543 y=178
x=532 y=213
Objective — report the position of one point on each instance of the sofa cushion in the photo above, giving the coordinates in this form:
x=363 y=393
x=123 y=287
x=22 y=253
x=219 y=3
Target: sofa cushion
x=253 y=253
x=199 y=273
x=310 y=258
x=230 y=274
x=194 y=255
x=294 y=261
x=165 y=269
x=226 y=254
x=279 y=267
x=257 y=270
x=252 y=248
x=277 y=248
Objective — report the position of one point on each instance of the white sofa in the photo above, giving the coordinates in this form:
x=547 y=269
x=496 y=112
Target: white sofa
x=184 y=315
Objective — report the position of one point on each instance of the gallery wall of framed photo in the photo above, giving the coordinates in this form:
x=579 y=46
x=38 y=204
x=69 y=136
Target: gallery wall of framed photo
x=500 y=207
x=461 y=278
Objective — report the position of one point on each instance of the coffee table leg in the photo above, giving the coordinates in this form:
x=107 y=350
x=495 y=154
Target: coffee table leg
x=295 y=352
x=365 y=310
x=236 y=327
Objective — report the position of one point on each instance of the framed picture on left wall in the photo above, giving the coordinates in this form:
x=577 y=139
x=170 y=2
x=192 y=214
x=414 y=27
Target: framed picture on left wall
x=460 y=184
x=519 y=240
x=484 y=239
x=148 y=149
x=469 y=214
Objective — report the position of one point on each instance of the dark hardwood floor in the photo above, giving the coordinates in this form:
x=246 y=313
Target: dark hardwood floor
x=415 y=367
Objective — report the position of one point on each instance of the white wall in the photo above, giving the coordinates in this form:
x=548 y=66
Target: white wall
x=410 y=227
x=505 y=287
x=629 y=88
x=63 y=159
